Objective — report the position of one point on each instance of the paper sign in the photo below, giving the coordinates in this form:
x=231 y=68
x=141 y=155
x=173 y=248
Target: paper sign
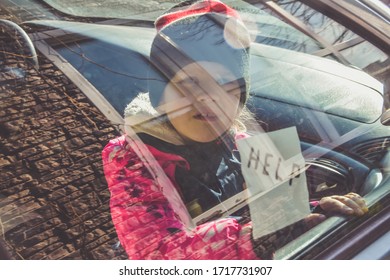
x=274 y=171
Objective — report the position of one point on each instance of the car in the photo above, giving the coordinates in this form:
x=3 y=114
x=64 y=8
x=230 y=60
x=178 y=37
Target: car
x=70 y=68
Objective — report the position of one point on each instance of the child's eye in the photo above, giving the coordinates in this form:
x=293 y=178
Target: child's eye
x=188 y=82
x=232 y=88
x=186 y=85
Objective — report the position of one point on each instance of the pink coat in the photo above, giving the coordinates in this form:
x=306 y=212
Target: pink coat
x=146 y=223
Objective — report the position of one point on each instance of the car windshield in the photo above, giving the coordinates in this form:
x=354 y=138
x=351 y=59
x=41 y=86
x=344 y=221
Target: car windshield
x=130 y=129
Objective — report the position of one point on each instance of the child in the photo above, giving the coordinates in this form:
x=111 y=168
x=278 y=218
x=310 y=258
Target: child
x=179 y=148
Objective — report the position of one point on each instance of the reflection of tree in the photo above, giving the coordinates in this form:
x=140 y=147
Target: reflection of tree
x=318 y=22
x=281 y=36
x=298 y=9
x=336 y=34
x=336 y=40
x=341 y=37
x=310 y=22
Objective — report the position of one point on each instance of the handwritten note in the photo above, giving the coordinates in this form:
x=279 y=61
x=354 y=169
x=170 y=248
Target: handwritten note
x=274 y=171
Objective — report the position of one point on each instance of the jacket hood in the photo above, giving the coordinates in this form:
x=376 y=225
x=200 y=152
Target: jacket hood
x=141 y=117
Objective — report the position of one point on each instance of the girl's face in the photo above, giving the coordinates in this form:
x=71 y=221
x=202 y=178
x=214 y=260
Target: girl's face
x=202 y=105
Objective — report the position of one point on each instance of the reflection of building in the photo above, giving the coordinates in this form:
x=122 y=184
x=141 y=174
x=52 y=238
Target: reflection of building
x=53 y=196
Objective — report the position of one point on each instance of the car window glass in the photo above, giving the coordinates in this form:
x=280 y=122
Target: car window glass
x=113 y=9
x=336 y=34
x=317 y=93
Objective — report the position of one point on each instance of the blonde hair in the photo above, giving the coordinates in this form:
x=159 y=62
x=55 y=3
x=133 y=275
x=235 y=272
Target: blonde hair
x=244 y=119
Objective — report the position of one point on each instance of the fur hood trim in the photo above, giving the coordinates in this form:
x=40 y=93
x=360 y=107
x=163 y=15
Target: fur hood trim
x=142 y=117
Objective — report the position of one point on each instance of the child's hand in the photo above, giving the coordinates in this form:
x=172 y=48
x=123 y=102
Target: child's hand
x=314 y=219
x=349 y=204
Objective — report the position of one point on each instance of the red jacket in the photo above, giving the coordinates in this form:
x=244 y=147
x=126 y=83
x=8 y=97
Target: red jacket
x=148 y=225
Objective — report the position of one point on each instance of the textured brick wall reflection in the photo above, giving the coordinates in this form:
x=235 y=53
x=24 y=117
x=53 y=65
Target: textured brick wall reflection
x=53 y=196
